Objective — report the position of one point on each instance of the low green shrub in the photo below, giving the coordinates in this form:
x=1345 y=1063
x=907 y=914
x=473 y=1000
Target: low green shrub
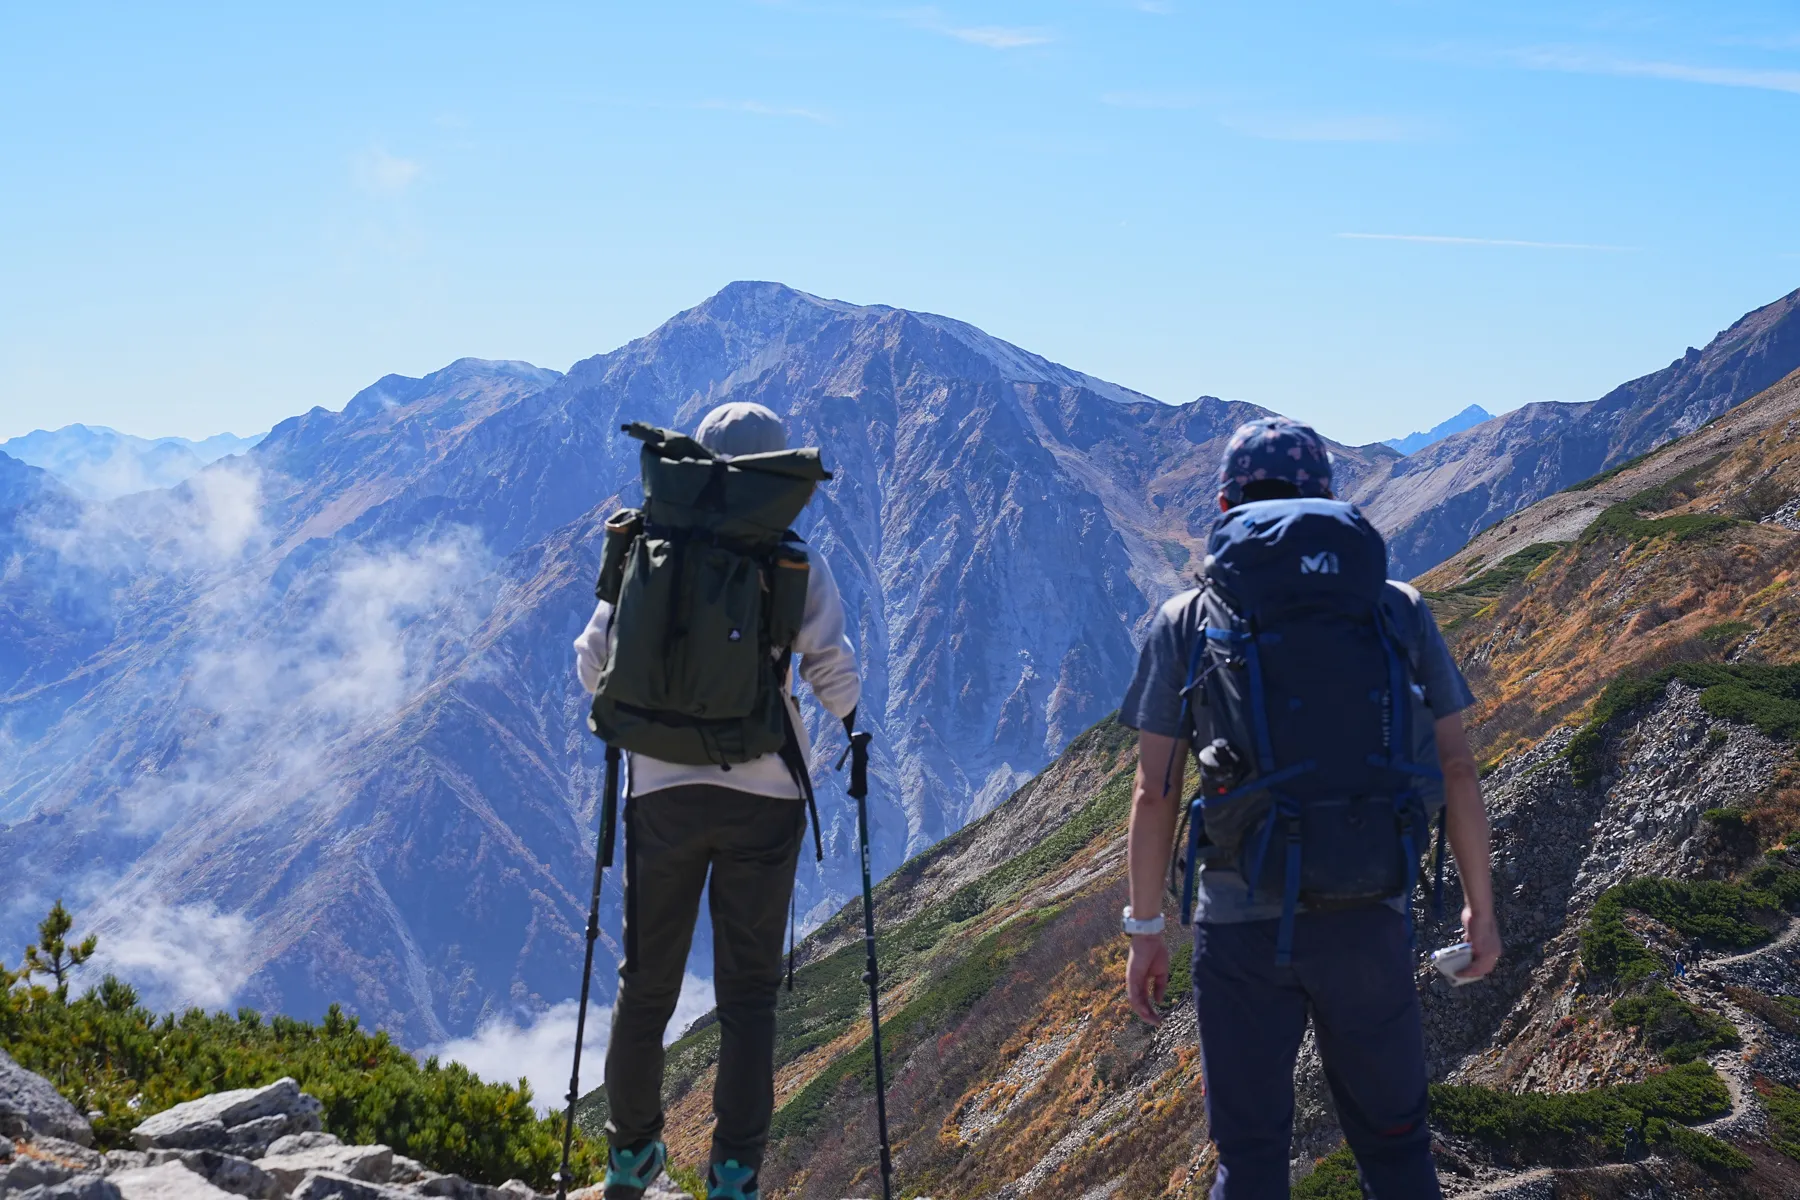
x=1725 y=633
x=1333 y=1178
x=108 y=1053
x=1623 y=520
x=1574 y=1128
x=1594 y=481
x=1701 y=1149
x=1666 y=1022
x=1506 y=572
x=956 y=990
x=1783 y=1106
x=1783 y=1012
x=1765 y=696
x=115 y=1058
x=1732 y=916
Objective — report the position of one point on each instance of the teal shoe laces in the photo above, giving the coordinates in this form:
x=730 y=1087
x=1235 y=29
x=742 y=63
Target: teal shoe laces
x=728 y=1181
x=636 y=1169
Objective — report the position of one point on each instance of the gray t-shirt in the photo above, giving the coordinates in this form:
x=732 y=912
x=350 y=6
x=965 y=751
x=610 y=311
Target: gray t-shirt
x=1153 y=704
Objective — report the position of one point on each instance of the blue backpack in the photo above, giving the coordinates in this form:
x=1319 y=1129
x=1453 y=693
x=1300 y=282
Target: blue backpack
x=1310 y=786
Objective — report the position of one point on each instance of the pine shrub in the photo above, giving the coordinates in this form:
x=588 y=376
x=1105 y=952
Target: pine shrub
x=106 y=1052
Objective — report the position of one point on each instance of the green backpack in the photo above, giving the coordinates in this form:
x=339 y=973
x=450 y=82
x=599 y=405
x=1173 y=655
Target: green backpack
x=708 y=587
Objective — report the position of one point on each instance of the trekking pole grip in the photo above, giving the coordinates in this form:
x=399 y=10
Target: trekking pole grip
x=859 y=763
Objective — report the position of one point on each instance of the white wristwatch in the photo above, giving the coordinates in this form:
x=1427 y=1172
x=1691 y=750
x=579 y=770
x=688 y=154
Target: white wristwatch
x=1136 y=927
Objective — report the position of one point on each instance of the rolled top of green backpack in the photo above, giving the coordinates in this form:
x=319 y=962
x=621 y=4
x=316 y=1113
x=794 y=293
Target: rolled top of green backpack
x=751 y=499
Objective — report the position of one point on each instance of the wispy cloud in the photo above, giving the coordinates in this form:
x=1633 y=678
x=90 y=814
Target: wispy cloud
x=1582 y=62
x=1446 y=240
x=998 y=37
x=1779 y=41
x=385 y=174
x=1278 y=126
x=177 y=956
x=759 y=109
x=994 y=37
x=1172 y=100
x=1161 y=8
x=1347 y=128
x=539 y=1049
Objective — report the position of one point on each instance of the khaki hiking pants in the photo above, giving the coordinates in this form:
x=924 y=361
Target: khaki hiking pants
x=749 y=844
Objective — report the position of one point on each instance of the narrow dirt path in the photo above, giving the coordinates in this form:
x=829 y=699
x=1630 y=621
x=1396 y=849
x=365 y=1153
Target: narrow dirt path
x=1745 y=1118
x=1788 y=939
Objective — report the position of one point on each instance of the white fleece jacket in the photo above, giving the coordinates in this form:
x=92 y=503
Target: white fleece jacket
x=827 y=663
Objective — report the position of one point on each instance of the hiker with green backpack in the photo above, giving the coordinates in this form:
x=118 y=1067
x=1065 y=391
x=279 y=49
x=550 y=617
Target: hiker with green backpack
x=705 y=597
x=1324 y=712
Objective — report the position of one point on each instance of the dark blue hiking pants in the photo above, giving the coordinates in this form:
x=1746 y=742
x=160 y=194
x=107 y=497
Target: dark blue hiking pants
x=1352 y=972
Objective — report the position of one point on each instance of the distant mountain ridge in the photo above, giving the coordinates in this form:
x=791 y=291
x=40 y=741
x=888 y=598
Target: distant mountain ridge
x=103 y=463
x=1433 y=501
x=315 y=703
x=1468 y=418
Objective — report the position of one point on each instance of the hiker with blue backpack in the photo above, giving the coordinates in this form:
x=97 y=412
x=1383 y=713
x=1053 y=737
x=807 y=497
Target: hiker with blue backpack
x=1323 y=709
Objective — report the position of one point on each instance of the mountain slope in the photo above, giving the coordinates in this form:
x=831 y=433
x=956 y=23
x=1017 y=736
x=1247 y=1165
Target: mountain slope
x=1638 y=710
x=1432 y=502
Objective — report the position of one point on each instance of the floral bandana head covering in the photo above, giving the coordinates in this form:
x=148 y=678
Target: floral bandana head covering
x=1275 y=448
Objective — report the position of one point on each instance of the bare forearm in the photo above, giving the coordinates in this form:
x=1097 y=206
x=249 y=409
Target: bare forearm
x=1466 y=815
x=1469 y=841
x=1153 y=815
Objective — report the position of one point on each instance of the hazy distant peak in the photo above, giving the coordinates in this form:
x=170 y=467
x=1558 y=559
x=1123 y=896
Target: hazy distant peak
x=1468 y=418
x=101 y=463
x=510 y=367
x=393 y=390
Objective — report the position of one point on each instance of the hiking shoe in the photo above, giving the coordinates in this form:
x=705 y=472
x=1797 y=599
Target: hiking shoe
x=629 y=1173
x=728 y=1181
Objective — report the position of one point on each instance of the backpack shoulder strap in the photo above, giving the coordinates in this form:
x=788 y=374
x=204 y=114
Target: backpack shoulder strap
x=1411 y=639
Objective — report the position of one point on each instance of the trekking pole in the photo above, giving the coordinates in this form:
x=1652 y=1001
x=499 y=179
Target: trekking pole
x=858 y=752
x=603 y=857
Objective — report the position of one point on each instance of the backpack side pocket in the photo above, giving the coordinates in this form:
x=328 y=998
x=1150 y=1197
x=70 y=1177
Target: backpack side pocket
x=789 y=574
x=622 y=529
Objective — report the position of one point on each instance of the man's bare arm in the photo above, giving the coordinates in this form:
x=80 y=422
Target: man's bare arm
x=1469 y=841
x=1148 y=845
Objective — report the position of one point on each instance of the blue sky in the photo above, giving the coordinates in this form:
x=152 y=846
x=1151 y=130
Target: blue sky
x=215 y=217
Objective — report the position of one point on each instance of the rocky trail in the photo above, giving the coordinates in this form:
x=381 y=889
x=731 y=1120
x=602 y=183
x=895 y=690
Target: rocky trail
x=1762 y=1051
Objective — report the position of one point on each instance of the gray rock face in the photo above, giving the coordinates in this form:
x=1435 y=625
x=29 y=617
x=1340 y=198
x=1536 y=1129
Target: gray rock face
x=293 y=1143
x=167 y=1181
x=367 y=1163
x=28 y=1171
x=249 y=1119
x=30 y=1104
x=331 y=1186
x=227 y=1172
x=78 y=1187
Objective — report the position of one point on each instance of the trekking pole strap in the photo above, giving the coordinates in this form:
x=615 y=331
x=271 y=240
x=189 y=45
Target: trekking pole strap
x=609 y=806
